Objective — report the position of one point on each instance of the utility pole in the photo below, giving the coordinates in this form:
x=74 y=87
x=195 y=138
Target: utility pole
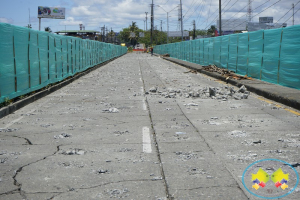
x=144 y=24
x=194 y=29
x=293 y=14
x=161 y=25
x=106 y=36
x=181 y=20
x=104 y=33
x=152 y=20
x=110 y=34
x=220 y=18
x=167 y=28
x=146 y=20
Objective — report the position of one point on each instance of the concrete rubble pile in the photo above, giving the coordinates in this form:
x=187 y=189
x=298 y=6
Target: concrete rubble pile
x=219 y=93
x=224 y=72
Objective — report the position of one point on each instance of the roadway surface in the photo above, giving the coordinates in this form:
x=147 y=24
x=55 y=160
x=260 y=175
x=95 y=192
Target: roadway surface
x=141 y=127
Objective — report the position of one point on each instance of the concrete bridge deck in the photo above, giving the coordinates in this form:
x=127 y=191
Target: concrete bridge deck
x=142 y=127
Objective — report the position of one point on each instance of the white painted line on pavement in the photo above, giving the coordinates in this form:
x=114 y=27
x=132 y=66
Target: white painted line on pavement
x=146 y=140
x=144 y=105
x=16 y=120
x=28 y=113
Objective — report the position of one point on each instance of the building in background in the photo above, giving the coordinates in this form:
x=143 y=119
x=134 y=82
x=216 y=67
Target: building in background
x=231 y=26
x=264 y=23
x=175 y=34
x=84 y=34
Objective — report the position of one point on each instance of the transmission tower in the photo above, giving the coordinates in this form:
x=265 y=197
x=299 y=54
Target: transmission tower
x=249 y=10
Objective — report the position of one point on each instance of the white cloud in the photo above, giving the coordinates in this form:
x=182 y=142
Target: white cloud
x=6 y=20
x=120 y=13
x=84 y=11
x=70 y=21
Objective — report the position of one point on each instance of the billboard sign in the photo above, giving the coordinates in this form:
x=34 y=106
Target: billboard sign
x=51 y=12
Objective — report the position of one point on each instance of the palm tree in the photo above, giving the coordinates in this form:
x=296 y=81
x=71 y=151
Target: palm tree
x=133 y=36
x=111 y=34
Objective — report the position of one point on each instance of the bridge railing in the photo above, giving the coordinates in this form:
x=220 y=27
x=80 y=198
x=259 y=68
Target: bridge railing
x=30 y=59
x=269 y=55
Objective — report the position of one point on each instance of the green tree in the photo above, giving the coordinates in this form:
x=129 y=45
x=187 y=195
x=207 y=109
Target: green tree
x=130 y=34
x=211 y=31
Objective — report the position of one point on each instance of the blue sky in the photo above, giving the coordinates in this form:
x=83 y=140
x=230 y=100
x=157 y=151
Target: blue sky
x=117 y=14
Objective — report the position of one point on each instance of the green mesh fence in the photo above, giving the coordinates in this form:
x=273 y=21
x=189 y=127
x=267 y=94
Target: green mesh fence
x=30 y=59
x=268 y=55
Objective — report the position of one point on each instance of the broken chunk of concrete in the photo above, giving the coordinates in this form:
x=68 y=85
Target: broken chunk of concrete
x=153 y=89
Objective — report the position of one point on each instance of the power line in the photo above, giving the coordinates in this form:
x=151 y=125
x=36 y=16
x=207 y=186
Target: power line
x=260 y=12
x=208 y=11
x=189 y=8
x=195 y=11
x=242 y=9
x=291 y=16
x=287 y=12
x=226 y=5
x=255 y=9
x=166 y=2
x=222 y=13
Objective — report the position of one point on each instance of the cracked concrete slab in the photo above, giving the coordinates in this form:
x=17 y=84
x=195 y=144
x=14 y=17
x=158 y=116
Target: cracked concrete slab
x=87 y=140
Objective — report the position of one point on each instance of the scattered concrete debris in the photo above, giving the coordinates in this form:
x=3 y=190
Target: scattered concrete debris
x=191 y=71
x=74 y=152
x=111 y=110
x=102 y=171
x=165 y=55
x=237 y=133
x=118 y=193
x=153 y=89
x=126 y=150
x=3 y=160
x=7 y=129
x=118 y=133
x=218 y=93
x=46 y=125
x=157 y=178
x=61 y=136
x=191 y=104
x=180 y=133
x=225 y=72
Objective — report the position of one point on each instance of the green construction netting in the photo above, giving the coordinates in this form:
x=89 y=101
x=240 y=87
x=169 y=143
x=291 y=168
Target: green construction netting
x=269 y=55
x=30 y=59
x=255 y=53
x=289 y=57
x=232 y=52
x=242 y=60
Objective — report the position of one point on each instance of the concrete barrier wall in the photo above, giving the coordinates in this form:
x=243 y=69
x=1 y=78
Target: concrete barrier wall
x=30 y=59
x=268 y=55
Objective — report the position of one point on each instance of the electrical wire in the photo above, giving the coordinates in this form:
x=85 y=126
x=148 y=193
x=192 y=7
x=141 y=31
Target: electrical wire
x=166 y=2
x=195 y=11
x=222 y=13
x=259 y=12
x=287 y=13
x=241 y=10
x=208 y=11
x=189 y=8
x=291 y=16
